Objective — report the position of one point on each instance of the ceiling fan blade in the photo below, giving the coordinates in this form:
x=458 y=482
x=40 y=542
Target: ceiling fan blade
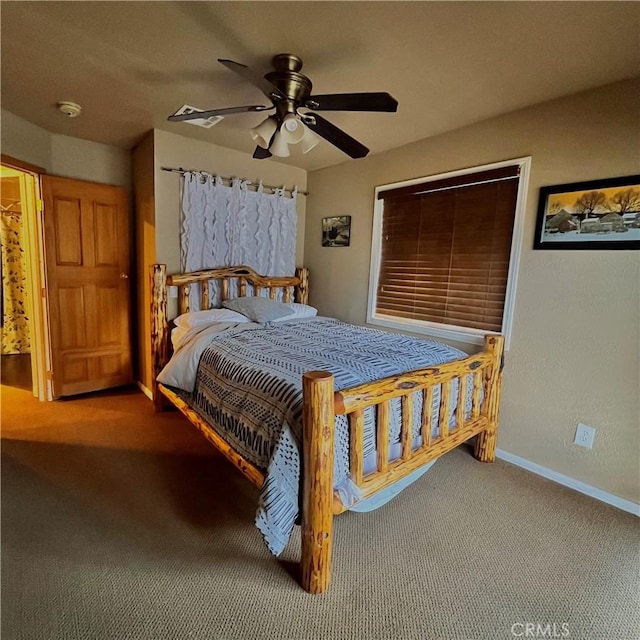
x=269 y=89
x=261 y=154
x=181 y=117
x=337 y=137
x=379 y=101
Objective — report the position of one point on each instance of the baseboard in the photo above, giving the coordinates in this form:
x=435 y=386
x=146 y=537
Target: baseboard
x=147 y=392
x=571 y=483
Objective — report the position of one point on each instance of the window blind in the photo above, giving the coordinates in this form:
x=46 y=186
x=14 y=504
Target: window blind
x=445 y=249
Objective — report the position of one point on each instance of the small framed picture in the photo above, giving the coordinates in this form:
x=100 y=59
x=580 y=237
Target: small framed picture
x=336 y=231
x=600 y=214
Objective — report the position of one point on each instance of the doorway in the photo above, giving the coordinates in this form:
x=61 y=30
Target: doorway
x=79 y=324
x=24 y=337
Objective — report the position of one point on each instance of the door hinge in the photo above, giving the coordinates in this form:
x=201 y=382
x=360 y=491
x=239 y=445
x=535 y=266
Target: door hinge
x=43 y=292
x=50 y=375
x=39 y=205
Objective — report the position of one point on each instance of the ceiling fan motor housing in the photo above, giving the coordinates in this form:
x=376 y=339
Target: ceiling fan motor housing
x=287 y=77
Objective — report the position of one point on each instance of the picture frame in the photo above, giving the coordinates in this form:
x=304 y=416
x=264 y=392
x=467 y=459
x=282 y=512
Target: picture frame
x=336 y=231
x=596 y=214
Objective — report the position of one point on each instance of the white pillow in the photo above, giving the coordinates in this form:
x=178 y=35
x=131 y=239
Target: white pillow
x=200 y=318
x=177 y=335
x=257 y=308
x=299 y=311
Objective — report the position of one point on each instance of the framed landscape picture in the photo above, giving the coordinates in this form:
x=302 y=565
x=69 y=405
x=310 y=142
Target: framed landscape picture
x=600 y=214
x=336 y=231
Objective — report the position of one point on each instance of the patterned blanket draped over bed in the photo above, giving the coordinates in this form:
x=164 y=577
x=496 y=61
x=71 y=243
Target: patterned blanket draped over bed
x=249 y=388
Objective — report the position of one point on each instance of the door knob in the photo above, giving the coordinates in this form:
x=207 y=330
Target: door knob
x=124 y=276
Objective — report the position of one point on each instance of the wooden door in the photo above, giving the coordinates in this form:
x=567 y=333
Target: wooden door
x=86 y=228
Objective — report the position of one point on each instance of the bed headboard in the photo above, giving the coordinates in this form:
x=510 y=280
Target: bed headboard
x=249 y=283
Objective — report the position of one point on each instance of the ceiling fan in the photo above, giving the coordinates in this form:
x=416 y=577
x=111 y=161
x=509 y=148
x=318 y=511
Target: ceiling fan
x=289 y=92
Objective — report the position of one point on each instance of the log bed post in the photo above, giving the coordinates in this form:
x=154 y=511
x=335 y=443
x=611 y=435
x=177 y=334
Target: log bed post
x=159 y=330
x=317 y=469
x=302 y=290
x=485 y=446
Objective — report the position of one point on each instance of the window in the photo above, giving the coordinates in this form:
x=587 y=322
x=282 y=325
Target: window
x=445 y=251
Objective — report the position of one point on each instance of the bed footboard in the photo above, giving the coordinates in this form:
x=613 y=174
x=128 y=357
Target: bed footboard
x=482 y=371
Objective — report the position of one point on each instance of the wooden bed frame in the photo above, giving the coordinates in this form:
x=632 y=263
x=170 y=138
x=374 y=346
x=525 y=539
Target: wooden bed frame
x=322 y=404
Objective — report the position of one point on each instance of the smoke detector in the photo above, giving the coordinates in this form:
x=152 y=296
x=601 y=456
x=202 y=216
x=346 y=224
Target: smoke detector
x=70 y=109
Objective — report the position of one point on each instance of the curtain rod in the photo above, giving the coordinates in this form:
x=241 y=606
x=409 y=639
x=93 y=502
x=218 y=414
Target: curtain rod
x=265 y=186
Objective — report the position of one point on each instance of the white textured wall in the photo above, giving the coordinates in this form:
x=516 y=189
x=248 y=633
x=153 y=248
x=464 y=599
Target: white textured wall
x=575 y=351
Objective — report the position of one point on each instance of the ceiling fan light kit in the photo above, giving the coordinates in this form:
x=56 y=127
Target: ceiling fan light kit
x=309 y=141
x=292 y=130
x=289 y=90
x=279 y=146
x=263 y=133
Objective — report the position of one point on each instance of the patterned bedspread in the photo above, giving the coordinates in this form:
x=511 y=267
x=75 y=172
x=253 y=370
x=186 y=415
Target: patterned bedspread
x=249 y=388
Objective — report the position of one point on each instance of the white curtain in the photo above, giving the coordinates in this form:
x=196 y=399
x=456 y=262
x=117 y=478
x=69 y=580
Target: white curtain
x=224 y=226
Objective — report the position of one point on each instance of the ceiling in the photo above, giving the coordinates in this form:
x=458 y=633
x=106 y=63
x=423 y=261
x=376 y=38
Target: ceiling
x=449 y=64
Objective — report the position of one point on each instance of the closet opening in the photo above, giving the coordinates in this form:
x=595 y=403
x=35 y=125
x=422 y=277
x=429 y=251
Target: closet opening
x=24 y=332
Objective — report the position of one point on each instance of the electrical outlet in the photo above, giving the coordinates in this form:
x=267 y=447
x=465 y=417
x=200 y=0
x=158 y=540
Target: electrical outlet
x=585 y=436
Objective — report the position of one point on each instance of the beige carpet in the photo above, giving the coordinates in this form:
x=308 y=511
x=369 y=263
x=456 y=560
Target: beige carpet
x=121 y=419
x=113 y=543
